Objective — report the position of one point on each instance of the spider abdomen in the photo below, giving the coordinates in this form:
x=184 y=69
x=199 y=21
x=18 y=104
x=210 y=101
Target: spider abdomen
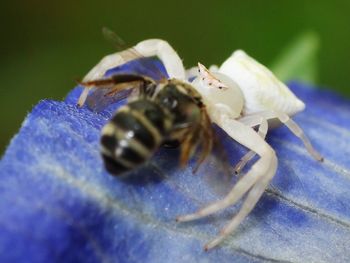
x=261 y=89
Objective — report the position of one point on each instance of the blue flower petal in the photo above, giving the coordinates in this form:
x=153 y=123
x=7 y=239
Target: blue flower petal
x=58 y=204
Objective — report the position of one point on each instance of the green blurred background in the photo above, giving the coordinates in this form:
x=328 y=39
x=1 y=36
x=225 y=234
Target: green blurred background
x=46 y=45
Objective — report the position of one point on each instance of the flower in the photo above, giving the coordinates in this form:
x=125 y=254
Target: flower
x=58 y=204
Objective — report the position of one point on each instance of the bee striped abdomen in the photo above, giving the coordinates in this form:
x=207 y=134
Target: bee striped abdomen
x=132 y=135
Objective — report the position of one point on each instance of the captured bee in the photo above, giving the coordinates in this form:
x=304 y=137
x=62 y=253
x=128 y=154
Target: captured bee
x=157 y=113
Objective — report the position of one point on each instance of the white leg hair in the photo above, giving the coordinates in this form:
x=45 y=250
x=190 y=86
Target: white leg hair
x=147 y=48
x=263 y=127
x=253 y=120
x=257 y=177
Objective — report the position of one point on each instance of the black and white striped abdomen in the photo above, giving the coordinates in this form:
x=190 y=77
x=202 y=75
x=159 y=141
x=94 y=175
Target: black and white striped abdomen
x=131 y=137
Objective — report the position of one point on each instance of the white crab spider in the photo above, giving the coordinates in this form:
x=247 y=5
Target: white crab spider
x=240 y=95
x=265 y=97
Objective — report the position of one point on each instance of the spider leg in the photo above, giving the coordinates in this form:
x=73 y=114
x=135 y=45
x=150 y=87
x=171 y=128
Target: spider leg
x=192 y=73
x=265 y=167
x=162 y=49
x=147 y=48
x=252 y=198
x=289 y=123
x=297 y=131
x=263 y=127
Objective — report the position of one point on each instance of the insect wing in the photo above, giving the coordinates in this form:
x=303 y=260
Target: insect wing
x=100 y=98
x=217 y=172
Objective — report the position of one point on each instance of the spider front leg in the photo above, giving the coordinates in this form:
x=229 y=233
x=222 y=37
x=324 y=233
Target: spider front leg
x=257 y=177
x=147 y=48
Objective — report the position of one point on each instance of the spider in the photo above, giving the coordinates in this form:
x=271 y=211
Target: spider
x=240 y=95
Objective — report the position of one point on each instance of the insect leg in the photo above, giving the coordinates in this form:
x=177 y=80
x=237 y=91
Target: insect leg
x=265 y=166
x=263 y=127
x=189 y=144
x=206 y=138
